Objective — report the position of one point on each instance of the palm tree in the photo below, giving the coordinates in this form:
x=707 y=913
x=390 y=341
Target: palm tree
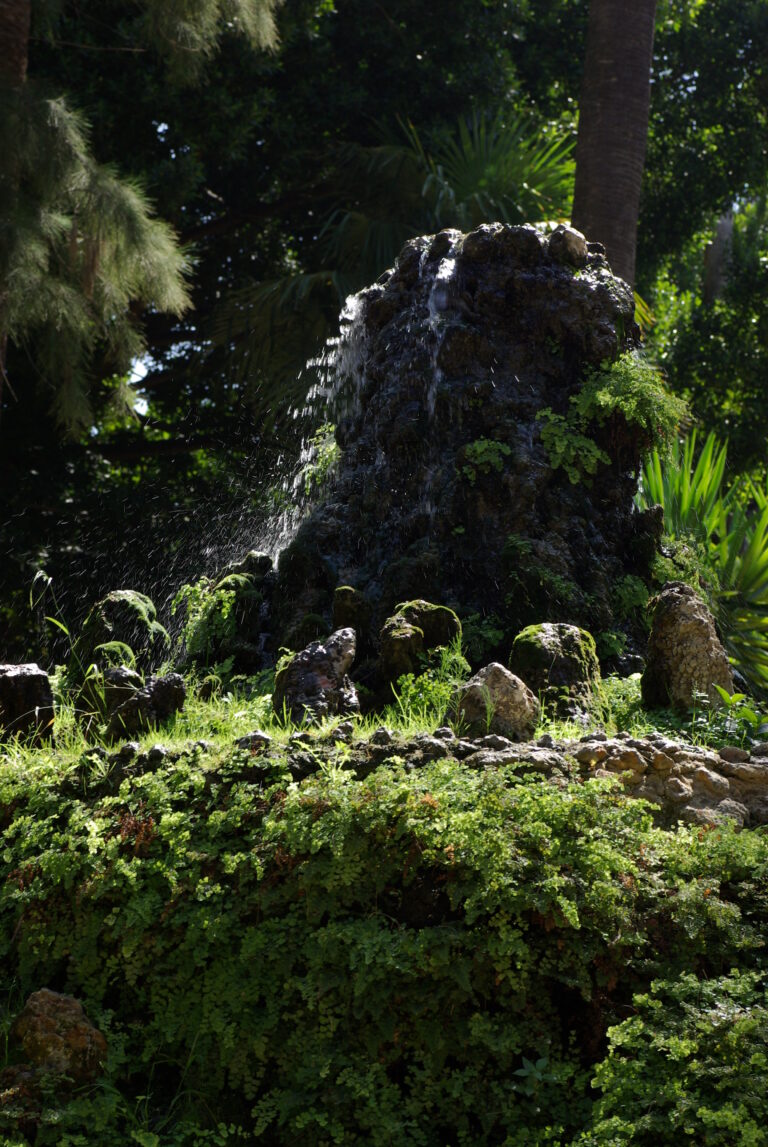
x=613 y=127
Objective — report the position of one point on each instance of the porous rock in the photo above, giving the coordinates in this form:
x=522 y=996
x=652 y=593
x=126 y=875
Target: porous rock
x=314 y=684
x=495 y=701
x=685 y=655
x=147 y=707
x=440 y=372
x=54 y=1034
x=26 y=702
x=558 y=661
x=415 y=628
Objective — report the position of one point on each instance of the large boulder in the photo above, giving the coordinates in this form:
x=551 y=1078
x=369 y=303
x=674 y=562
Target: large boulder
x=685 y=655
x=54 y=1034
x=445 y=490
x=495 y=701
x=26 y=702
x=314 y=684
x=559 y=662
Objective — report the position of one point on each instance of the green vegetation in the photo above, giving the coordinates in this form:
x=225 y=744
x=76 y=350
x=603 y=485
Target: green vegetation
x=433 y=954
x=619 y=412
x=485 y=456
x=726 y=526
x=213 y=612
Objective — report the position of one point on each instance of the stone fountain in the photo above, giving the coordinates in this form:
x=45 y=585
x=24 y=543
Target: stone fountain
x=444 y=490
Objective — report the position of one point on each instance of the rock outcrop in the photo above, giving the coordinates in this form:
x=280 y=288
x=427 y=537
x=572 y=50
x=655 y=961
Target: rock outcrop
x=26 y=702
x=54 y=1034
x=445 y=490
x=315 y=683
x=685 y=655
x=414 y=629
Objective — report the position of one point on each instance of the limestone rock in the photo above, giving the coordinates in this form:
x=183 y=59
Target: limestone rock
x=558 y=661
x=441 y=369
x=26 y=702
x=495 y=701
x=314 y=684
x=158 y=700
x=568 y=245
x=684 y=652
x=54 y=1033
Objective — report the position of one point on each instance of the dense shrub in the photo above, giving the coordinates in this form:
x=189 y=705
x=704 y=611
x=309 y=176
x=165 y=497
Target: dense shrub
x=428 y=956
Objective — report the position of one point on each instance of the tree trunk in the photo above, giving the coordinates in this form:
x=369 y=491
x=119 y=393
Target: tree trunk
x=15 y=18
x=613 y=127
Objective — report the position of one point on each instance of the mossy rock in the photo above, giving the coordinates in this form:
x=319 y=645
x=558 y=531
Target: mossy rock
x=439 y=624
x=311 y=627
x=351 y=610
x=123 y=618
x=557 y=661
x=402 y=646
x=255 y=565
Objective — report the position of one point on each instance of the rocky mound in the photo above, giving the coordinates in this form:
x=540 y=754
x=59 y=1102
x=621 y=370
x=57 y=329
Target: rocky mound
x=445 y=490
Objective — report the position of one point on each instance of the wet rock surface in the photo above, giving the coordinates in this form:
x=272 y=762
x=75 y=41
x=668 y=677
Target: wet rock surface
x=444 y=490
x=684 y=655
x=315 y=683
x=26 y=702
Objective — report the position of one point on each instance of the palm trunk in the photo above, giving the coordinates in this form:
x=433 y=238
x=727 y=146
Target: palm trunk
x=613 y=127
x=15 y=23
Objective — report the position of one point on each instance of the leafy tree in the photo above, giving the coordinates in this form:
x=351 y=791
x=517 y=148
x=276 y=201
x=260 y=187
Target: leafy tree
x=80 y=244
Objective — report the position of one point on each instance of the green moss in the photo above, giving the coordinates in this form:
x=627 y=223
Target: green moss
x=552 y=658
x=439 y=624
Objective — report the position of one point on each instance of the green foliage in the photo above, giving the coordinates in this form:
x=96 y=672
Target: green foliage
x=484 y=455
x=480 y=634
x=712 y=340
x=423 y=699
x=626 y=404
x=426 y=955
x=629 y=597
x=727 y=527
x=324 y=454
x=569 y=449
x=81 y=246
x=689 y=1066
x=211 y=613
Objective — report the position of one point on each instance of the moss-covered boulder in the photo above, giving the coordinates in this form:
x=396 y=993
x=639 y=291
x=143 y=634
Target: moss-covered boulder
x=401 y=648
x=417 y=627
x=558 y=661
x=121 y=626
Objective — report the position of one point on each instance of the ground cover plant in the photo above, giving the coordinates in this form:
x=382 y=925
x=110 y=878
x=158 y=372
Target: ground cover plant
x=432 y=956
